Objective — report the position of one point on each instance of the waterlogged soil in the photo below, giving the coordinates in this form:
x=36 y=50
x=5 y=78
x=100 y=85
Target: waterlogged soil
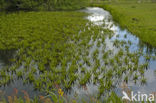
x=112 y=57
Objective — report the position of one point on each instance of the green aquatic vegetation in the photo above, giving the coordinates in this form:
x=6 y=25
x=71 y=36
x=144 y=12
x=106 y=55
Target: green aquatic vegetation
x=116 y=43
x=117 y=59
x=112 y=61
x=130 y=55
x=109 y=85
x=3 y=82
x=129 y=42
x=27 y=61
x=37 y=84
x=96 y=77
x=86 y=60
x=123 y=69
x=101 y=90
x=147 y=57
x=50 y=76
x=94 y=37
x=95 y=53
x=134 y=60
x=122 y=43
x=105 y=55
x=126 y=79
x=64 y=61
x=135 y=68
x=7 y=80
x=67 y=85
x=3 y=73
x=135 y=77
x=89 y=46
x=141 y=71
x=119 y=73
x=130 y=67
x=73 y=77
x=110 y=35
x=13 y=68
x=85 y=79
x=109 y=74
x=41 y=67
x=87 y=52
x=127 y=48
x=94 y=69
x=98 y=43
x=73 y=69
x=143 y=80
x=120 y=53
x=125 y=36
x=83 y=70
x=30 y=77
x=145 y=65
x=103 y=39
x=19 y=73
x=33 y=70
x=80 y=64
x=97 y=63
x=126 y=60
x=103 y=68
x=114 y=98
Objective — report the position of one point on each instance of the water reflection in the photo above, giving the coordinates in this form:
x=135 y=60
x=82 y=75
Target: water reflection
x=20 y=86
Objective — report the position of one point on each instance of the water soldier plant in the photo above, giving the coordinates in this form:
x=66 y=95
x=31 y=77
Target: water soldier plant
x=59 y=51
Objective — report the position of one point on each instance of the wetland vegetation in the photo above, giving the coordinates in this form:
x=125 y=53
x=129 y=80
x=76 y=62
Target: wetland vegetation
x=68 y=56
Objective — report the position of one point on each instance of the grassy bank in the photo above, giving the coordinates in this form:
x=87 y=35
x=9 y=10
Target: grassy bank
x=138 y=18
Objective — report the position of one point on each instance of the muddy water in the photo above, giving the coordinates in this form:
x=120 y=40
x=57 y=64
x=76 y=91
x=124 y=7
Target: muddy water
x=99 y=16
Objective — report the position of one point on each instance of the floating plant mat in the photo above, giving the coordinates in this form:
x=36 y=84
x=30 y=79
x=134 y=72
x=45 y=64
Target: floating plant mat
x=85 y=58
